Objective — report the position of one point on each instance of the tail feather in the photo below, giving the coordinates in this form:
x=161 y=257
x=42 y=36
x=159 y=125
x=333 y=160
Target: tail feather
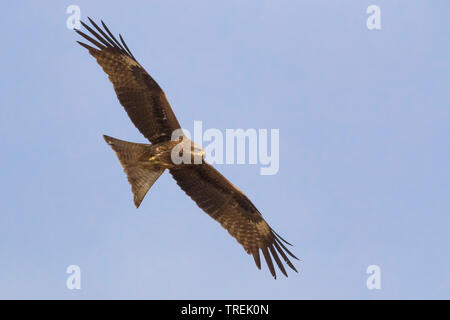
x=141 y=180
x=140 y=175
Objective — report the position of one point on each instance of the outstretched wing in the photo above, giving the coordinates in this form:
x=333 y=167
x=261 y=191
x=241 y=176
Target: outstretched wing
x=140 y=95
x=219 y=198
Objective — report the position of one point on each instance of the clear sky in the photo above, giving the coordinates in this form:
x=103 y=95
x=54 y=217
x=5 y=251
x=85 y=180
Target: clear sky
x=364 y=174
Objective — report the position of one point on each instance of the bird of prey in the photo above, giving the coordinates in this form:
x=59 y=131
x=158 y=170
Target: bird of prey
x=149 y=110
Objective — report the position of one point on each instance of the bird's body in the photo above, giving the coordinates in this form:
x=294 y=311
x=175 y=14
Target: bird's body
x=150 y=111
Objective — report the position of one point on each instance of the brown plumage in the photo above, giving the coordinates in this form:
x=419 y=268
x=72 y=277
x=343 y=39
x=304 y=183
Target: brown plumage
x=149 y=110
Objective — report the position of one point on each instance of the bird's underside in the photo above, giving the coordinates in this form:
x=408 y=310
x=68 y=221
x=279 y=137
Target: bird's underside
x=148 y=108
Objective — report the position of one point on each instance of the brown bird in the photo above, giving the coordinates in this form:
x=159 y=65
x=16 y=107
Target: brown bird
x=149 y=110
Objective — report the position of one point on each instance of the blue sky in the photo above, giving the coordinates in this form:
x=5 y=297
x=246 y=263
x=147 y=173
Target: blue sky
x=364 y=149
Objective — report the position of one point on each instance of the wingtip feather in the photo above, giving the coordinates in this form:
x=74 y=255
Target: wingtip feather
x=257 y=258
x=277 y=260
x=269 y=262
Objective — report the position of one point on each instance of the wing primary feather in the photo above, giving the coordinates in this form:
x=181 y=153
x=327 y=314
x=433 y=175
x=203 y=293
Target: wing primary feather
x=105 y=36
x=95 y=42
x=112 y=36
x=280 y=237
x=286 y=259
x=126 y=47
x=257 y=258
x=95 y=34
x=269 y=262
x=277 y=260
x=284 y=247
x=86 y=46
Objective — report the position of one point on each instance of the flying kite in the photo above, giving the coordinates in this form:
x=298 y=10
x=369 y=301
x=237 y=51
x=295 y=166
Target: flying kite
x=149 y=110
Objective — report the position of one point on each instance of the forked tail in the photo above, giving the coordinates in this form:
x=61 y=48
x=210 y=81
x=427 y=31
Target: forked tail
x=141 y=174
